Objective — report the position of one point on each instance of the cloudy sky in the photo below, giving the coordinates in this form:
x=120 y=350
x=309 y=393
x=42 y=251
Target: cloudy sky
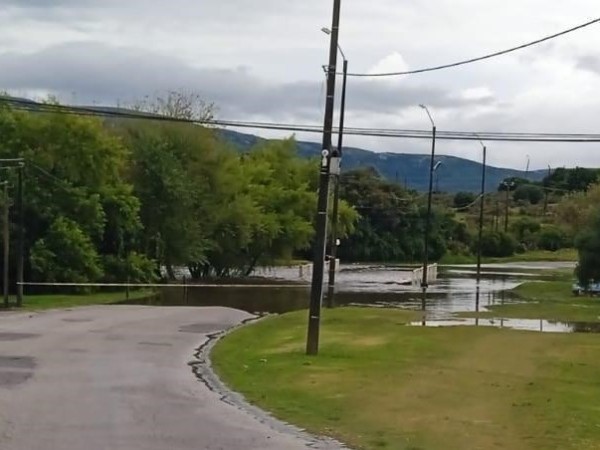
x=262 y=59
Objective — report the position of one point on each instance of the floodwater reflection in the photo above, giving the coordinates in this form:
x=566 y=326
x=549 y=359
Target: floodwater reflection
x=544 y=326
x=374 y=286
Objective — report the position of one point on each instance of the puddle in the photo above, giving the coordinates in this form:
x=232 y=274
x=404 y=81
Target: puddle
x=379 y=286
x=543 y=326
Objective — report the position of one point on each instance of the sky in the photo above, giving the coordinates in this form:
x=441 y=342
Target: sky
x=261 y=60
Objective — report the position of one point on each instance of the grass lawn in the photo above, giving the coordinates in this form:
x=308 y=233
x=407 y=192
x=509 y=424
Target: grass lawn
x=378 y=384
x=39 y=302
x=550 y=300
x=565 y=254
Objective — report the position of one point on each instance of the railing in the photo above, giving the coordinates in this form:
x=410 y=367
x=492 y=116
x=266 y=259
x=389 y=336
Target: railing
x=432 y=275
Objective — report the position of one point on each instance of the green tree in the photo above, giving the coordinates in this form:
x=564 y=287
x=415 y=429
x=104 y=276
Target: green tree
x=530 y=193
x=575 y=210
x=588 y=244
x=75 y=169
x=392 y=221
x=512 y=184
x=497 y=244
x=552 y=238
x=464 y=199
x=572 y=180
x=65 y=254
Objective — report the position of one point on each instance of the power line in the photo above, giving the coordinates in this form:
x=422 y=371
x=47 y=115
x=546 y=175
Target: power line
x=34 y=107
x=480 y=58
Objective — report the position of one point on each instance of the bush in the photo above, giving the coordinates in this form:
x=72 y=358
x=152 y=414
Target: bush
x=552 y=238
x=464 y=199
x=65 y=254
x=530 y=193
x=526 y=231
x=135 y=268
x=497 y=244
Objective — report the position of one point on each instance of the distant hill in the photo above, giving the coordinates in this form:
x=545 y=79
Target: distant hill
x=456 y=174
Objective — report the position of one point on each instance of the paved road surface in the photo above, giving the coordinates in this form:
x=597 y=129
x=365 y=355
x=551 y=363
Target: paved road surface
x=116 y=378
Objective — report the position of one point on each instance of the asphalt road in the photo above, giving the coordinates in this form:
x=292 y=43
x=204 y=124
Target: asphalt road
x=117 y=378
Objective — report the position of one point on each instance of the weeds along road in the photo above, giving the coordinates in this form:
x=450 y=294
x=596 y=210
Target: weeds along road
x=117 y=377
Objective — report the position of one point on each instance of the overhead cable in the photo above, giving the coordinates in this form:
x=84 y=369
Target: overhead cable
x=480 y=58
x=34 y=107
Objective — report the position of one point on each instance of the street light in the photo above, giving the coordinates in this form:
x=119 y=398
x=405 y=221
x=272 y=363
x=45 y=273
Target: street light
x=316 y=290
x=335 y=171
x=428 y=218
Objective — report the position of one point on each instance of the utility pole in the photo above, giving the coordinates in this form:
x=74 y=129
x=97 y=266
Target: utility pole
x=481 y=206
x=21 y=236
x=316 y=292
x=497 y=215
x=429 y=199
x=336 y=197
x=508 y=186
x=547 y=191
x=6 y=237
x=506 y=208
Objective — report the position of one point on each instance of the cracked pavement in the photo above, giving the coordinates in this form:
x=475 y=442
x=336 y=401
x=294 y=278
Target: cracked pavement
x=118 y=378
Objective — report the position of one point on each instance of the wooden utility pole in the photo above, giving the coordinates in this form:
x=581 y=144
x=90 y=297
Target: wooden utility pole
x=21 y=242
x=6 y=239
x=316 y=291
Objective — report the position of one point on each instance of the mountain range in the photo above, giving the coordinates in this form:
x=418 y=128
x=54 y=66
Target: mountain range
x=412 y=170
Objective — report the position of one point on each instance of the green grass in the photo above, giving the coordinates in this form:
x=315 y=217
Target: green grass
x=41 y=302
x=379 y=384
x=550 y=300
x=565 y=254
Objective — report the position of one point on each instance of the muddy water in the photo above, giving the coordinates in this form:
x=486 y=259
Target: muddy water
x=384 y=287
x=362 y=285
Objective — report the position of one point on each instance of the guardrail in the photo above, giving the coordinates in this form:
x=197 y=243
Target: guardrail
x=432 y=275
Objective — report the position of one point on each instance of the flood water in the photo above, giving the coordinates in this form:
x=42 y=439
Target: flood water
x=383 y=287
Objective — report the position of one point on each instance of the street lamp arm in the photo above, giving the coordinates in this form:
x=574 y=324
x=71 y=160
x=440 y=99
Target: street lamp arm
x=428 y=114
x=328 y=32
x=342 y=52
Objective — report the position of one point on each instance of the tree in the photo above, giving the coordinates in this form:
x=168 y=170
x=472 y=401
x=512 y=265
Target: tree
x=530 y=193
x=575 y=210
x=392 y=221
x=525 y=230
x=572 y=180
x=512 y=183
x=65 y=254
x=464 y=199
x=497 y=244
x=588 y=244
x=75 y=170
x=177 y=172
x=552 y=238
x=177 y=104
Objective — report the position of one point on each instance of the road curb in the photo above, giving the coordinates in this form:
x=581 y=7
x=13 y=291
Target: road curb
x=203 y=369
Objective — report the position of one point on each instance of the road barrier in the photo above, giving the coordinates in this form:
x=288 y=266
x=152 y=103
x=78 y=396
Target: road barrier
x=432 y=275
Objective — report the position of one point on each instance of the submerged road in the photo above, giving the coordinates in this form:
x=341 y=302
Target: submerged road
x=118 y=378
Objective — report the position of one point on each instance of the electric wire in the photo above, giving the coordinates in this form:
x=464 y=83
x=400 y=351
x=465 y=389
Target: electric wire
x=477 y=59
x=34 y=107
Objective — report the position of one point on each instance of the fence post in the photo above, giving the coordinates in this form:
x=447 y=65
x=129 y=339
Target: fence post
x=185 y=293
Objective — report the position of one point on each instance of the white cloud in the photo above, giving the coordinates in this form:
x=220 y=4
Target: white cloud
x=392 y=63
x=112 y=50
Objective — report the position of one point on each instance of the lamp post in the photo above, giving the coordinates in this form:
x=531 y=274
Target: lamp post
x=429 y=198
x=316 y=291
x=336 y=190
